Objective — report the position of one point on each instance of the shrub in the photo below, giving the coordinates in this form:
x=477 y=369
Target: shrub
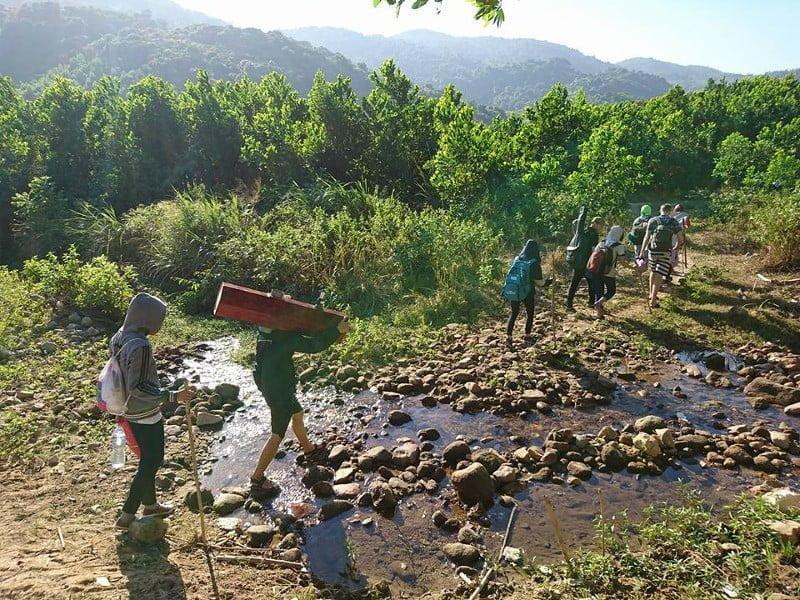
x=98 y=286
x=775 y=223
x=21 y=310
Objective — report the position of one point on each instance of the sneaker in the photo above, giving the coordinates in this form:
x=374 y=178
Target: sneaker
x=158 y=510
x=124 y=521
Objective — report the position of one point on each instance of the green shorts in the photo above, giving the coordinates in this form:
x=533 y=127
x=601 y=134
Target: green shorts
x=281 y=411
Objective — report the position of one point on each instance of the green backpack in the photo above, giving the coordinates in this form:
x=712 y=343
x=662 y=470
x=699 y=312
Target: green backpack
x=518 y=280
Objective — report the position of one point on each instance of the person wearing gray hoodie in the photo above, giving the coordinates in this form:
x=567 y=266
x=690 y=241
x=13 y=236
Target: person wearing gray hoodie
x=142 y=422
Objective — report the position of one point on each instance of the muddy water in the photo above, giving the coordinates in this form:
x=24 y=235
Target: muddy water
x=406 y=551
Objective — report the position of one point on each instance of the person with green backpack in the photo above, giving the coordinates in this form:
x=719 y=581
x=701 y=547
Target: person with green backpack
x=639 y=228
x=658 y=242
x=522 y=279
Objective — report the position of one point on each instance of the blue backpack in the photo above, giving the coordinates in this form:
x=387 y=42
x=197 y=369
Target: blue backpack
x=518 y=280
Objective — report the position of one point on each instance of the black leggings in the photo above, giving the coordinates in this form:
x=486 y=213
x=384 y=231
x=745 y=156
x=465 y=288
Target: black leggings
x=530 y=304
x=577 y=276
x=150 y=439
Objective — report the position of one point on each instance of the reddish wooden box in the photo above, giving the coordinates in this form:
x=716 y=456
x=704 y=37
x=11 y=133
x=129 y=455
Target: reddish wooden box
x=260 y=308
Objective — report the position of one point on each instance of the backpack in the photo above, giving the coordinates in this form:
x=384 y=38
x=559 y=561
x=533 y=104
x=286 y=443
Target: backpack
x=577 y=245
x=602 y=259
x=111 y=394
x=661 y=240
x=518 y=281
x=638 y=231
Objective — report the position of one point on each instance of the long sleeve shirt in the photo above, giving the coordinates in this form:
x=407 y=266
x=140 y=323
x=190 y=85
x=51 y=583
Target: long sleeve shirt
x=145 y=394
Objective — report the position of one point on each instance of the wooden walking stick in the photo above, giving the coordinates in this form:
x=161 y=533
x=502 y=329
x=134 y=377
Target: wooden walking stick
x=644 y=292
x=553 y=293
x=184 y=397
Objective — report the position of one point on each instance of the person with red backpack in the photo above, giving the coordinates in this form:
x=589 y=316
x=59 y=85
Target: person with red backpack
x=601 y=270
x=659 y=244
x=524 y=276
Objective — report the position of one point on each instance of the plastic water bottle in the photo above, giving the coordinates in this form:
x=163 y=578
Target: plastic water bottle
x=118 y=448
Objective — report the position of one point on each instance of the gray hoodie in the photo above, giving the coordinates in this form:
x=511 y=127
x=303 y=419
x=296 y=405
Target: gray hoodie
x=145 y=316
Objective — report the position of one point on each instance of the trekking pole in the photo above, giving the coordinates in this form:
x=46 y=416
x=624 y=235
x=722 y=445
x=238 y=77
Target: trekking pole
x=644 y=291
x=200 y=508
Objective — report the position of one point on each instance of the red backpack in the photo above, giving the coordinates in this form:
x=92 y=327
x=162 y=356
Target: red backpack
x=602 y=259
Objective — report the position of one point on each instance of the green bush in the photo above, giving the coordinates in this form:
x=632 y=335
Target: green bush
x=775 y=223
x=98 y=286
x=21 y=310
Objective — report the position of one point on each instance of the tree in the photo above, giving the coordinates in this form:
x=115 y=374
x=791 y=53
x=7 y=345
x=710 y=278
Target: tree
x=15 y=156
x=488 y=11
x=158 y=130
x=39 y=217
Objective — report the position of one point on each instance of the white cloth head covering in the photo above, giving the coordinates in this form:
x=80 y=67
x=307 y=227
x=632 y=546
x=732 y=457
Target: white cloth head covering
x=614 y=235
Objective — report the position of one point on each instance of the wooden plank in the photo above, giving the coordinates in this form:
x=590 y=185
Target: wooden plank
x=262 y=309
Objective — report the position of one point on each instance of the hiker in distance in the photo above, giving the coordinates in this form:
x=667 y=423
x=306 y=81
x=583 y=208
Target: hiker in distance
x=601 y=270
x=639 y=228
x=276 y=379
x=524 y=276
x=580 y=248
x=661 y=246
x=141 y=417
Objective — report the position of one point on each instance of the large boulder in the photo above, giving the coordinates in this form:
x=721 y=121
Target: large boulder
x=474 y=485
x=647 y=444
x=148 y=530
x=772 y=392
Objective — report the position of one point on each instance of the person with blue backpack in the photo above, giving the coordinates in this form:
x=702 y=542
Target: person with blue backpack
x=522 y=279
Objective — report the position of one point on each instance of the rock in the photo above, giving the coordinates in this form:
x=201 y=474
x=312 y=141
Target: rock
x=772 y=392
x=715 y=361
x=788 y=531
x=208 y=420
x=6 y=354
x=781 y=439
x=333 y=509
x=455 y=452
x=316 y=473
x=428 y=401
x=259 y=536
x=47 y=347
x=86 y=321
x=514 y=556
x=337 y=455
x=190 y=498
x=468 y=535
x=474 y=485
x=666 y=438
x=612 y=457
x=344 y=475
x=346 y=372
x=648 y=444
x=649 y=423
x=383 y=498
x=550 y=457
x=462 y=376
x=227 y=391
x=489 y=458
x=375 y=456
x=398 y=417
x=405 y=455
x=346 y=490
x=322 y=489
x=439 y=518
x=225 y=504
x=307 y=375
x=784 y=499
x=428 y=435
x=739 y=454
x=461 y=554
x=608 y=434
x=148 y=530
x=579 y=470
x=693 y=371
x=793 y=410
x=74 y=317
x=505 y=474
x=268 y=489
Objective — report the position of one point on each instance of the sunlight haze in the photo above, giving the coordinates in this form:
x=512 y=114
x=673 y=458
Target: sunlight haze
x=733 y=35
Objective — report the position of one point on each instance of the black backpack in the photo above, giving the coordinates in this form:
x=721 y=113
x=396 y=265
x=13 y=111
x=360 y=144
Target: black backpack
x=638 y=231
x=661 y=240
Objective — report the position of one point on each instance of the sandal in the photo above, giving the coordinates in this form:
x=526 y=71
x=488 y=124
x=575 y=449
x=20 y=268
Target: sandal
x=124 y=521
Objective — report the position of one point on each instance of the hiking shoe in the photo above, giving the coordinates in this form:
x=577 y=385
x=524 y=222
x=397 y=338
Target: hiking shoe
x=124 y=521
x=158 y=510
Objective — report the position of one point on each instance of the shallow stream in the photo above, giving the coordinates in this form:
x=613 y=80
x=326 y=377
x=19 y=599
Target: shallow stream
x=406 y=550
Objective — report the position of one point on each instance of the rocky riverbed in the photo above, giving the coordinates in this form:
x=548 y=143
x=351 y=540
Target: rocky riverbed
x=412 y=492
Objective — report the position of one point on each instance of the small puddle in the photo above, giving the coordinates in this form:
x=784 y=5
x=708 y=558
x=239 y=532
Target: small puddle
x=406 y=550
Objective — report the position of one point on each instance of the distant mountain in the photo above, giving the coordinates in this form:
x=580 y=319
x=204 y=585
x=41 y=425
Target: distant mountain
x=169 y=12
x=40 y=40
x=507 y=74
x=689 y=77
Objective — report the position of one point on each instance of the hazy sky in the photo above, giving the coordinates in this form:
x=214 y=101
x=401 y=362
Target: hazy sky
x=733 y=35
